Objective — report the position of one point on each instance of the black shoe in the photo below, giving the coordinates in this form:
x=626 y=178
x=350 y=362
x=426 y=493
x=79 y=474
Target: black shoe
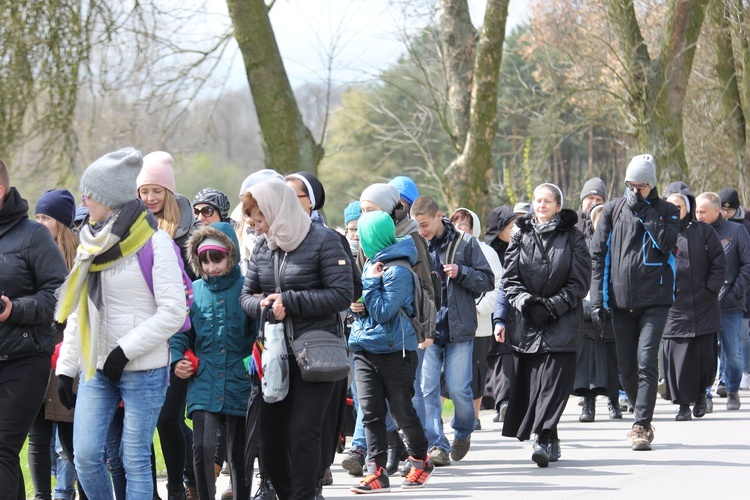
x=176 y=492
x=396 y=452
x=721 y=390
x=327 y=479
x=588 y=413
x=699 y=410
x=541 y=454
x=615 y=413
x=554 y=450
x=683 y=413
x=478 y=425
x=265 y=489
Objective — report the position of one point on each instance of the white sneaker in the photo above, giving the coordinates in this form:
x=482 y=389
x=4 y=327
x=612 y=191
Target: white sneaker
x=745 y=383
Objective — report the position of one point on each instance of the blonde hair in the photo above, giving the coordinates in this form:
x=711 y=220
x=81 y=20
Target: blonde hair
x=67 y=242
x=249 y=204
x=170 y=216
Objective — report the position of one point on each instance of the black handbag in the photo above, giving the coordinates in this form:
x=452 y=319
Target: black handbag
x=322 y=356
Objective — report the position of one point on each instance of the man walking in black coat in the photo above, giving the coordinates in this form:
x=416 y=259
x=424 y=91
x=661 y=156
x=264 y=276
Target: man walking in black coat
x=31 y=270
x=633 y=277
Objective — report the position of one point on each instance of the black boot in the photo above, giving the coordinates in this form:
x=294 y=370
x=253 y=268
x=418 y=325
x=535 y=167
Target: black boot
x=396 y=452
x=614 y=409
x=589 y=409
x=176 y=492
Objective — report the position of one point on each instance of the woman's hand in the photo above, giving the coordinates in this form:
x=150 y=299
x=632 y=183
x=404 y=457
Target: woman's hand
x=183 y=369
x=499 y=332
x=277 y=307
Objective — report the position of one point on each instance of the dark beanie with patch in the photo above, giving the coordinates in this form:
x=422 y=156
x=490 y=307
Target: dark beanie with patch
x=594 y=186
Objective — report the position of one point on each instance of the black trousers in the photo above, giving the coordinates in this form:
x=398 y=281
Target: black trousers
x=23 y=383
x=638 y=337
x=40 y=461
x=388 y=377
x=171 y=434
x=290 y=436
x=205 y=425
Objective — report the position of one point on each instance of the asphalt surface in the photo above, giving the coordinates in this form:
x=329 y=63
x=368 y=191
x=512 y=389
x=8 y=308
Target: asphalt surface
x=700 y=459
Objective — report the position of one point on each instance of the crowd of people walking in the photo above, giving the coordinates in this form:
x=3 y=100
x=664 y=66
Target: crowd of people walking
x=137 y=309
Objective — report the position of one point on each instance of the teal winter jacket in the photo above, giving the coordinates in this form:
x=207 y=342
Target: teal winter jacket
x=221 y=335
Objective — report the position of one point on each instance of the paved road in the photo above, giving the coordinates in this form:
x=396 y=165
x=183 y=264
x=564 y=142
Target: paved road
x=703 y=458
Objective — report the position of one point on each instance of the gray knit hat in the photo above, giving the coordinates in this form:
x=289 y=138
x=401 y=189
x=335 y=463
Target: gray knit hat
x=594 y=186
x=111 y=180
x=642 y=169
x=383 y=195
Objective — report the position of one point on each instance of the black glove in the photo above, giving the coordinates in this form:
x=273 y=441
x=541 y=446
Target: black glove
x=635 y=201
x=115 y=364
x=538 y=314
x=598 y=317
x=65 y=391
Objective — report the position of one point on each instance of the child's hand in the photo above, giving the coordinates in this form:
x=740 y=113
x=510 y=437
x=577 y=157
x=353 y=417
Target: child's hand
x=376 y=270
x=357 y=307
x=183 y=369
x=451 y=270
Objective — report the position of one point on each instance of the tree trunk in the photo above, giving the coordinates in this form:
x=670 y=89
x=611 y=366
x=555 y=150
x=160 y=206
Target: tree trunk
x=287 y=142
x=732 y=109
x=458 y=41
x=657 y=86
x=467 y=178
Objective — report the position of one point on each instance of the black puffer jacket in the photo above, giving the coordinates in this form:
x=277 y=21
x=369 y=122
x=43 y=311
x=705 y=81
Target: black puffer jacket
x=736 y=244
x=632 y=262
x=32 y=269
x=315 y=278
x=555 y=266
x=701 y=265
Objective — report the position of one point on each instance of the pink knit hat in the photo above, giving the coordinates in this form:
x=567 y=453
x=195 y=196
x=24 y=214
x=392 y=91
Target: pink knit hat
x=157 y=169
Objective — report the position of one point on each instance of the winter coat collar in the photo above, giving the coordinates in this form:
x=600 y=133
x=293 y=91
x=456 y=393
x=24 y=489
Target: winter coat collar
x=568 y=219
x=14 y=209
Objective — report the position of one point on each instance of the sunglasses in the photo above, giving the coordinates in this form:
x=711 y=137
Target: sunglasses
x=206 y=211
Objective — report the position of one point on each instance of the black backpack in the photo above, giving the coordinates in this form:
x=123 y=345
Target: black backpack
x=425 y=313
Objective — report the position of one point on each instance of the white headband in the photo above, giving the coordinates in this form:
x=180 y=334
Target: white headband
x=550 y=185
x=310 y=192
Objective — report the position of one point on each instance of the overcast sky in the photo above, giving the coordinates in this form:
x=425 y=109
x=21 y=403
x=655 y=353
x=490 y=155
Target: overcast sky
x=364 y=36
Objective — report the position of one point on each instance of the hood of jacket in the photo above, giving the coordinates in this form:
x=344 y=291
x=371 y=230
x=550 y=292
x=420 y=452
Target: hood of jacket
x=14 y=210
x=476 y=224
x=568 y=219
x=220 y=231
x=404 y=248
x=187 y=220
x=680 y=187
x=498 y=219
x=406 y=227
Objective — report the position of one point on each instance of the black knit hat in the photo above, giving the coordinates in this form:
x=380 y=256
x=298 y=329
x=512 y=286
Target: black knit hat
x=730 y=198
x=58 y=204
x=215 y=198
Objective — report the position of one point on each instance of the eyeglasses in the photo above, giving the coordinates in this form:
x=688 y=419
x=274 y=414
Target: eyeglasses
x=302 y=196
x=351 y=230
x=639 y=187
x=206 y=211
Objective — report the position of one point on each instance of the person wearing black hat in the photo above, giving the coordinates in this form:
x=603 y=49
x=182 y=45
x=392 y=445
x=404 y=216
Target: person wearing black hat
x=500 y=223
x=33 y=270
x=596 y=365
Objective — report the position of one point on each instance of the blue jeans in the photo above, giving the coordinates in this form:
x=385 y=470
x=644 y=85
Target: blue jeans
x=455 y=360
x=731 y=354
x=745 y=343
x=637 y=338
x=142 y=393
x=63 y=470
x=358 y=439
